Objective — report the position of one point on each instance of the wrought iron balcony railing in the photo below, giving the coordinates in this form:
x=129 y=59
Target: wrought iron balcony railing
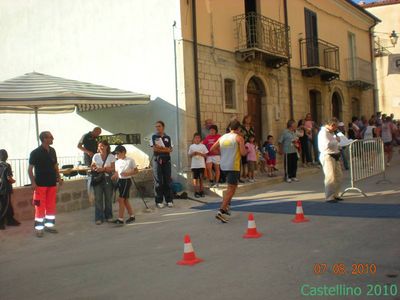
x=359 y=72
x=262 y=34
x=319 y=57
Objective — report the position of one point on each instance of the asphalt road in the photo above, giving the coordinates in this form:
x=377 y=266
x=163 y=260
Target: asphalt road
x=85 y=261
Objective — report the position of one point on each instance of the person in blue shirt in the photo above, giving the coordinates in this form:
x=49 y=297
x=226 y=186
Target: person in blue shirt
x=162 y=147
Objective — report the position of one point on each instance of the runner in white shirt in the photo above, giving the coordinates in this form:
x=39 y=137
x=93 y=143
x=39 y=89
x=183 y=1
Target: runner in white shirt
x=197 y=152
x=125 y=167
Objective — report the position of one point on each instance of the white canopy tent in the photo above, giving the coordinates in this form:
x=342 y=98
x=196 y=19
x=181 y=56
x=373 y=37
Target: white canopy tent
x=39 y=93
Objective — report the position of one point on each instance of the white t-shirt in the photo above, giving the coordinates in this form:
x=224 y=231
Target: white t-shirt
x=123 y=165
x=198 y=161
x=327 y=143
x=386 y=132
x=99 y=162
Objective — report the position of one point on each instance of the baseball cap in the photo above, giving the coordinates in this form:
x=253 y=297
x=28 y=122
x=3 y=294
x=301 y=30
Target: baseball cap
x=119 y=148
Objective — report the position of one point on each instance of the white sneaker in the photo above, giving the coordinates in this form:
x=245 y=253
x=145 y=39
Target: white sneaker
x=160 y=205
x=288 y=180
x=170 y=204
x=295 y=179
x=251 y=180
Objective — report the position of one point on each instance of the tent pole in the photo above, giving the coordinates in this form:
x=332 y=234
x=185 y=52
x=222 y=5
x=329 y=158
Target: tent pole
x=37 y=125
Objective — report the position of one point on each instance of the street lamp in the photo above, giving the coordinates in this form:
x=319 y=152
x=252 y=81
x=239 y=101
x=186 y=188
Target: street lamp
x=393 y=38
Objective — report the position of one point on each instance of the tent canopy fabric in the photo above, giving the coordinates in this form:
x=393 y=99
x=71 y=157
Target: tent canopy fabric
x=36 y=92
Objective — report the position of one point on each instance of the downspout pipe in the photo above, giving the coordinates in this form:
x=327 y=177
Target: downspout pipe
x=373 y=68
x=196 y=67
x=289 y=67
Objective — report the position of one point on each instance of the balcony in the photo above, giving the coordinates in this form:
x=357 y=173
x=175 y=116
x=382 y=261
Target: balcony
x=263 y=38
x=318 y=57
x=359 y=73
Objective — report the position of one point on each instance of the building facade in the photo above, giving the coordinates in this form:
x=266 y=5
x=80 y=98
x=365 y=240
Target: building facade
x=273 y=59
x=277 y=60
x=387 y=84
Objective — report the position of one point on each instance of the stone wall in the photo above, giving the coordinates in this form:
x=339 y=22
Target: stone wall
x=72 y=195
x=215 y=65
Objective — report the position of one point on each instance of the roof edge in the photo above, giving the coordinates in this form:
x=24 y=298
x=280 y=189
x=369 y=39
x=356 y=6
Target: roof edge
x=379 y=3
x=364 y=11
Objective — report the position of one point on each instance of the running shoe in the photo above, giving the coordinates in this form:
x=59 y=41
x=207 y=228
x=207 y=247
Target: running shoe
x=221 y=217
x=170 y=204
x=160 y=205
x=295 y=179
x=225 y=212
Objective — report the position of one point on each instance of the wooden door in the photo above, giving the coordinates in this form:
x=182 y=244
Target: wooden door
x=254 y=109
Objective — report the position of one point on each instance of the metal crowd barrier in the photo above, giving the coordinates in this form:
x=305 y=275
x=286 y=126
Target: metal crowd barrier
x=367 y=159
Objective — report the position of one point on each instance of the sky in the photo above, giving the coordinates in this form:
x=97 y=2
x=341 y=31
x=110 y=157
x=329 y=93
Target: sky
x=366 y=1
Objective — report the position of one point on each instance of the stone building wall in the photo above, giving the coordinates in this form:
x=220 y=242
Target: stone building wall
x=216 y=64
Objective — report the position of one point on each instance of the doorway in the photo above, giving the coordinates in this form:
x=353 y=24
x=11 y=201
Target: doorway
x=255 y=92
x=316 y=106
x=337 y=106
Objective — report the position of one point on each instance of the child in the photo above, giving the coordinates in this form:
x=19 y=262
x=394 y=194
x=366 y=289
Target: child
x=198 y=152
x=251 y=157
x=213 y=158
x=125 y=167
x=270 y=155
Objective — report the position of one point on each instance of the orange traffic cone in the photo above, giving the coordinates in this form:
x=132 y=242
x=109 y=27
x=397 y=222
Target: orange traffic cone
x=252 y=232
x=189 y=257
x=299 y=214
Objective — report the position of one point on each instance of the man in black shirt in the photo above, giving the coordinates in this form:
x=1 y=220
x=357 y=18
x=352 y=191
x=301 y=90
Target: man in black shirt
x=88 y=144
x=162 y=147
x=43 y=160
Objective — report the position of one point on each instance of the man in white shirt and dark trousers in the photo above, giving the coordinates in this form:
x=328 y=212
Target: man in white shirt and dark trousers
x=328 y=144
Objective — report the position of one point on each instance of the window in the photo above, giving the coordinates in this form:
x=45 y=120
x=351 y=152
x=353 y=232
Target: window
x=230 y=94
x=311 y=38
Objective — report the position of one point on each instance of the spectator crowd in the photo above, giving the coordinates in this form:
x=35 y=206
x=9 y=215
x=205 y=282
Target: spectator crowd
x=300 y=140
